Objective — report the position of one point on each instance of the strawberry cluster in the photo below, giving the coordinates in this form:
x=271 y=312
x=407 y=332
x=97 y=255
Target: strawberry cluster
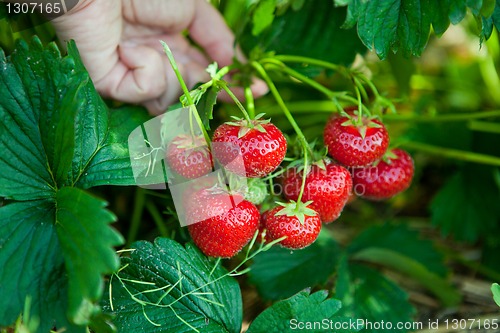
x=361 y=144
x=222 y=220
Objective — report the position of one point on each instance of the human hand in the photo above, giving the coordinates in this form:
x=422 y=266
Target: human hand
x=119 y=44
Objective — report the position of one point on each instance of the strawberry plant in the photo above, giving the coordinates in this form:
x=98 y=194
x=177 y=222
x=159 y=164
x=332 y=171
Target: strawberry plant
x=311 y=207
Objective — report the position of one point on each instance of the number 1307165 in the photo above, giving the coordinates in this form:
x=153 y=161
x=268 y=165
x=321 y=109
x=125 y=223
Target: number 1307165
x=463 y=324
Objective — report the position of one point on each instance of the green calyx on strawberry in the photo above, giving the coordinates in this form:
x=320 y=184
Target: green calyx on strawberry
x=355 y=140
x=189 y=156
x=247 y=125
x=385 y=178
x=297 y=209
x=362 y=123
x=252 y=148
x=295 y=221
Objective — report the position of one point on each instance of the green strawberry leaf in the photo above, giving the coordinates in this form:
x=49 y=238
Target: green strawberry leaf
x=496 y=15
x=206 y=105
x=399 y=238
x=280 y=273
x=368 y=295
x=495 y=289
x=405 y=25
x=110 y=163
x=35 y=158
x=263 y=16
x=313 y=31
x=87 y=246
x=458 y=201
x=490 y=17
x=402 y=250
x=32 y=253
x=293 y=314
x=166 y=287
x=66 y=250
x=388 y=25
x=101 y=155
x=54 y=127
x=56 y=131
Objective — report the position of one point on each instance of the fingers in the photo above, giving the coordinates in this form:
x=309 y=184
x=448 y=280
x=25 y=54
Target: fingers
x=204 y=22
x=210 y=31
x=96 y=28
x=192 y=73
x=136 y=76
x=172 y=16
x=139 y=72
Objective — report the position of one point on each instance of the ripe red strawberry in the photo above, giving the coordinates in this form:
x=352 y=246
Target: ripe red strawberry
x=260 y=145
x=390 y=176
x=189 y=156
x=354 y=144
x=221 y=224
x=328 y=186
x=301 y=225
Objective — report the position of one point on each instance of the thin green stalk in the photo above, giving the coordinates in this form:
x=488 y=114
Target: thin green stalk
x=271 y=187
x=304 y=176
x=135 y=222
x=371 y=85
x=484 y=126
x=453 y=153
x=329 y=93
x=282 y=104
x=310 y=61
x=285 y=69
x=235 y=99
x=329 y=106
x=250 y=101
x=220 y=74
x=157 y=218
x=360 y=107
x=184 y=87
x=490 y=77
x=359 y=85
x=442 y=117
x=301 y=77
x=192 y=106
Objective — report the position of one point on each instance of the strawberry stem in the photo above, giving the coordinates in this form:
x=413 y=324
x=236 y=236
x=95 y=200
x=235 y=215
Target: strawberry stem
x=250 y=101
x=327 y=106
x=171 y=59
x=359 y=85
x=281 y=103
x=311 y=61
x=304 y=79
x=442 y=117
x=217 y=77
x=359 y=121
x=238 y=103
x=271 y=187
x=453 y=153
x=304 y=176
x=192 y=107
